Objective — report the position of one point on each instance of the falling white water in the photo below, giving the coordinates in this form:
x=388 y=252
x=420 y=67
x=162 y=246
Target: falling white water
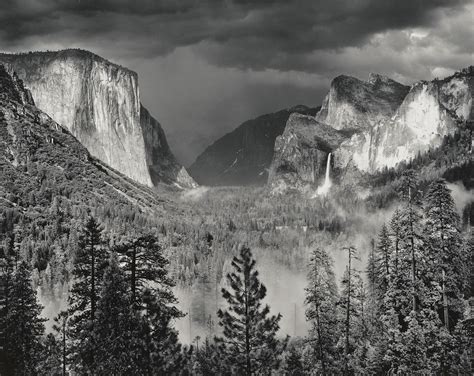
x=324 y=189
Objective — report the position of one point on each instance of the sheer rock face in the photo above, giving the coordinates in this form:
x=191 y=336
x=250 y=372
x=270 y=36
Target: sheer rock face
x=35 y=149
x=301 y=152
x=99 y=103
x=430 y=111
x=243 y=156
x=384 y=123
x=162 y=165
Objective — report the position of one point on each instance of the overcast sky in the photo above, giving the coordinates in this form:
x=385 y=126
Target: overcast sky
x=205 y=66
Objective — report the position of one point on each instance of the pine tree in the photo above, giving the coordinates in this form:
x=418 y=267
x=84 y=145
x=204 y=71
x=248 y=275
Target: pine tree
x=116 y=333
x=9 y=262
x=349 y=303
x=293 y=364
x=416 y=301
x=411 y=292
x=51 y=363
x=89 y=265
x=150 y=291
x=448 y=268
x=445 y=245
x=411 y=246
x=3 y=309
x=146 y=268
x=321 y=299
x=395 y=236
x=60 y=328
x=382 y=268
x=413 y=345
x=354 y=337
x=23 y=324
x=371 y=271
x=249 y=343
x=379 y=268
x=209 y=362
x=162 y=350
x=377 y=288
x=468 y=324
x=395 y=301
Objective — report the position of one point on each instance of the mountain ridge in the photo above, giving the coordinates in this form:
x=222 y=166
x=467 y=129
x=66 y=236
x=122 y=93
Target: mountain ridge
x=243 y=156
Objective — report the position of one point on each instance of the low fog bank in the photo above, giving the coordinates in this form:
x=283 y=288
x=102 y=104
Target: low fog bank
x=285 y=285
x=285 y=295
x=462 y=197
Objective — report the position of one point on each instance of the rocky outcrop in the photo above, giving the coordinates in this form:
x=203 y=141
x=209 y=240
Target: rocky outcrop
x=301 y=152
x=385 y=123
x=243 y=156
x=99 y=103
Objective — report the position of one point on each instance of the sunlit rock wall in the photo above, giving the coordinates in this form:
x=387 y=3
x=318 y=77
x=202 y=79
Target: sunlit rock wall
x=99 y=102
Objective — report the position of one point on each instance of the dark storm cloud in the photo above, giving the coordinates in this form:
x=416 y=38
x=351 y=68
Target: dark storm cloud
x=254 y=34
x=205 y=66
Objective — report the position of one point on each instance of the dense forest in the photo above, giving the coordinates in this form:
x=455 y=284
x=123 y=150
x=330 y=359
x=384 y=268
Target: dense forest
x=405 y=311
x=102 y=276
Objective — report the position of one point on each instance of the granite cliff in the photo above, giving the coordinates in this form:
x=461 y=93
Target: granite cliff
x=42 y=163
x=429 y=111
x=383 y=123
x=301 y=152
x=99 y=103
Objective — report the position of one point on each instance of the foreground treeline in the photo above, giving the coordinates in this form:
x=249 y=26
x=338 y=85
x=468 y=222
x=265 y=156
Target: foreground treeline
x=119 y=319
x=409 y=318
x=406 y=313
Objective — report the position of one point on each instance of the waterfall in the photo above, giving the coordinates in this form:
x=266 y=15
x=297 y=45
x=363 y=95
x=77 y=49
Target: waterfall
x=324 y=189
x=328 y=168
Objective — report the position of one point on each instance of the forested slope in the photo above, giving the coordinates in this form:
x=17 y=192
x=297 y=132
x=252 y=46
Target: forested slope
x=49 y=182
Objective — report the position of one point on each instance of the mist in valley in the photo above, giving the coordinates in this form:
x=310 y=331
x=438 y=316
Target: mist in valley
x=286 y=284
